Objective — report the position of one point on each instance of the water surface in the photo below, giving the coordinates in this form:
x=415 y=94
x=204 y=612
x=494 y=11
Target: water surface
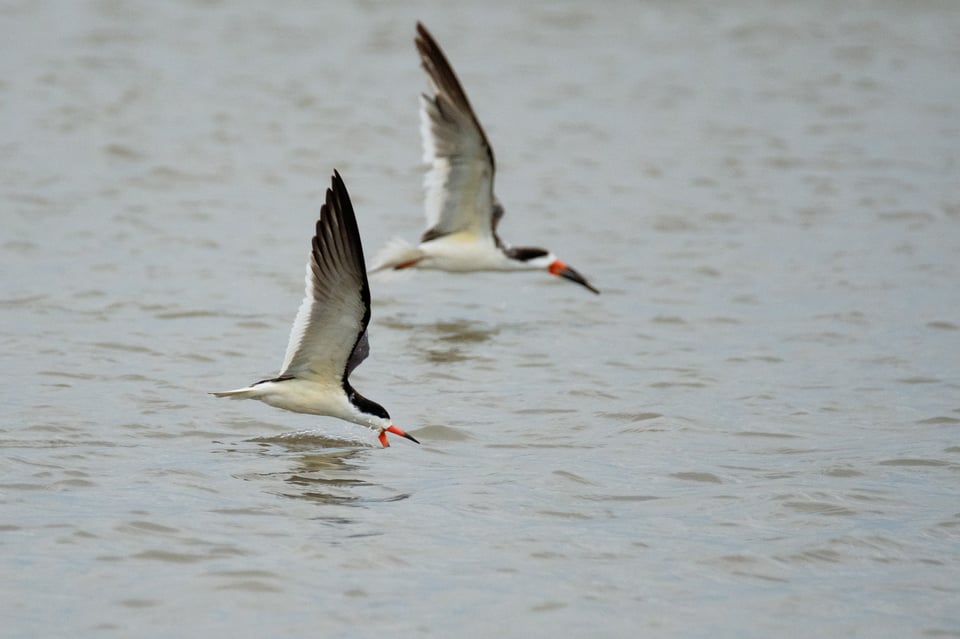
x=752 y=432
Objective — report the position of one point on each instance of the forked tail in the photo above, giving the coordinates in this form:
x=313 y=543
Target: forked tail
x=397 y=254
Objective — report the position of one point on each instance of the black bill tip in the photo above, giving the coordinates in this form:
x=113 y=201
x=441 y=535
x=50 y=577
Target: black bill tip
x=397 y=431
x=573 y=276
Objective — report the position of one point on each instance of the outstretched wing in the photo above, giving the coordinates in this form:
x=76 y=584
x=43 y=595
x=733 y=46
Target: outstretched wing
x=329 y=336
x=459 y=183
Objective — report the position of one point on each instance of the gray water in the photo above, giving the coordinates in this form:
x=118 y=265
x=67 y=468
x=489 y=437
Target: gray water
x=752 y=432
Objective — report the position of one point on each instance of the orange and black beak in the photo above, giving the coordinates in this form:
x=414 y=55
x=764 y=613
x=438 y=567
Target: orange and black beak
x=560 y=269
x=396 y=431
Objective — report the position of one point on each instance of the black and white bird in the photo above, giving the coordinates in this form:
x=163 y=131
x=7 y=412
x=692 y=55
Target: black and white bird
x=329 y=336
x=462 y=210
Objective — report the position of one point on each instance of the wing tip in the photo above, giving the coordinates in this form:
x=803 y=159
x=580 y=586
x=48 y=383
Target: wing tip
x=337 y=197
x=422 y=33
x=337 y=218
x=337 y=193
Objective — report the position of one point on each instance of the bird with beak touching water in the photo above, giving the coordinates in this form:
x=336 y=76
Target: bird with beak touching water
x=329 y=335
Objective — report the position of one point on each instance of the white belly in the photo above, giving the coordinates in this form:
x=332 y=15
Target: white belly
x=465 y=251
x=305 y=396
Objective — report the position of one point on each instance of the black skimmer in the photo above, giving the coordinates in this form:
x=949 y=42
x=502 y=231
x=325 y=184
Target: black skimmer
x=329 y=336
x=462 y=210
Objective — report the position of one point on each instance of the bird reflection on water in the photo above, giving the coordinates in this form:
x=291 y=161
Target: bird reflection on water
x=445 y=342
x=323 y=469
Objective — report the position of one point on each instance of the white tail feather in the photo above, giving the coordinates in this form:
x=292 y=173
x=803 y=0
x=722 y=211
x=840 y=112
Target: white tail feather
x=396 y=252
x=240 y=393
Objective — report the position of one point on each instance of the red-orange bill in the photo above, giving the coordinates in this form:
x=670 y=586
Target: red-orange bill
x=396 y=431
x=561 y=269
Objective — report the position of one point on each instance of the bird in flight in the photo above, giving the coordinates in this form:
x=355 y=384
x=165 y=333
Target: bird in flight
x=329 y=335
x=462 y=210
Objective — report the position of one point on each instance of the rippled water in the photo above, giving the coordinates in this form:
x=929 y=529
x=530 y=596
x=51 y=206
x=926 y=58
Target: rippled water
x=752 y=432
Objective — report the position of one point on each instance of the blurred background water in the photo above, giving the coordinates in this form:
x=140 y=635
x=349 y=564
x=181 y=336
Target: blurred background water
x=752 y=432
